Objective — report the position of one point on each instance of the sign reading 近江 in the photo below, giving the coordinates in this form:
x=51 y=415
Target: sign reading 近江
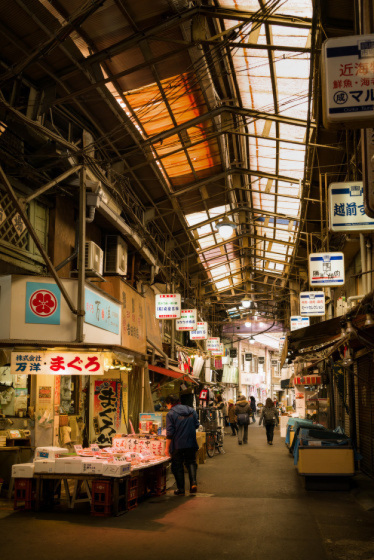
x=346 y=208
x=188 y=320
x=312 y=303
x=201 y=332
x=326 y=269
x=57 y=363
x=168 y=306
x=298 y=322
x=213 y=344
x=348 y=81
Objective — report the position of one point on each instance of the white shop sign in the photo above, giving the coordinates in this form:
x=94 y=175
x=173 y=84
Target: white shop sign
x=219 y=351
x=326 y=269
x=201 y=332
x=57 y=363
x=346 y=208
x=348 y=81
x=188 y=320
x=168 y=306
x=312 y=303
x=299 y=322
x=213 y=344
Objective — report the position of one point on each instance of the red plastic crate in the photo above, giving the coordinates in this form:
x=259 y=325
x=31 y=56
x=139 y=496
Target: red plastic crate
x=101 y=498
x=24 y=493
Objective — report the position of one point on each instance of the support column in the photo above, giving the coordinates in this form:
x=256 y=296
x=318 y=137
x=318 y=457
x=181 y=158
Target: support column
x=81 y=255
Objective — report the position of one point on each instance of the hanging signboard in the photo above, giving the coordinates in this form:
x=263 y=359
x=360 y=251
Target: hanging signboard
x=346 y=208
x=326 y=269
x=261 y=360
x=57 y=363
x=201 y=332
x=219 y=351
x=107 y=409
x=213 y=344
x=347 y=83
x=299 y=322
x=168 y=306
x=312 y=304
x=188 y=320
x=248 y=357
x=274 y=363
x=233 y=353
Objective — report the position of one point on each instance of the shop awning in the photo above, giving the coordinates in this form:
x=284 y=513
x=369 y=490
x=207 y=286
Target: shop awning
x=176 y=373
x=307 y=380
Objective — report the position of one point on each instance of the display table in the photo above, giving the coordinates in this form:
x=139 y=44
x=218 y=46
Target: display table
x=9 y=456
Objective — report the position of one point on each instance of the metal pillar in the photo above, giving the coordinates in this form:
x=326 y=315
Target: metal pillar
x=172 y=330
x=81 y=254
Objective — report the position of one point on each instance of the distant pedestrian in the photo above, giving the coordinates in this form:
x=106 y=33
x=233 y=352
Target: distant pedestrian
x=253 y=408
x=242 y=411
x=232 y=417
x=269 y=414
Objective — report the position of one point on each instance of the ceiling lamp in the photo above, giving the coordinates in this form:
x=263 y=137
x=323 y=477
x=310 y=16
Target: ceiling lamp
x=247 y=324
x=225 y=227
x=246 y=302
x=252 y=340
x=262 y=324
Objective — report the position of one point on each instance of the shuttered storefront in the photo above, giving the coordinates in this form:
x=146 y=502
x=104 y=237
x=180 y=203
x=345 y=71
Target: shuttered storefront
x=365 y=379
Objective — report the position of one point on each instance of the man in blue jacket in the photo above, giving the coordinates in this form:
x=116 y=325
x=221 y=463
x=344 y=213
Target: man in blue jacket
x=181 y=444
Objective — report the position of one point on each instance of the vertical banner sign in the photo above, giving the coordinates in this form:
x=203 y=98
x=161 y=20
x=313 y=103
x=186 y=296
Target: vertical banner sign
x=346 y=208
x=168 y=306
x=188 y=320
x=201 y=332
x=43 y=303
x=347 y=83
x=299 y=322
x=212 y=345
x=326 y=269
x=101 y=312
x=312 y=304
x=107 y=409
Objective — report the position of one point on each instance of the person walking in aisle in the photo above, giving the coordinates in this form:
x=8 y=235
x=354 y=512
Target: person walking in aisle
x=232 y=417
x=269 y=414
x=242 y=411
x=253 y=408
x=181 y=444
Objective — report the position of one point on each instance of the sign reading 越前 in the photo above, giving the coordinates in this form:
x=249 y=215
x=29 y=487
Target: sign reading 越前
x=168 y=306
x=348 y=75
x=213 y=344
x=299 y=322
x=326 y=269
x=188 y=320
x=57 y=363
x=43 y=303
x=201 y=332
x=312 y=303
x=346 y=208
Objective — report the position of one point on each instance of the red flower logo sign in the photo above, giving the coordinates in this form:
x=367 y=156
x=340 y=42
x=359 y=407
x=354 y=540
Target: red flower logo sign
x=43 y=303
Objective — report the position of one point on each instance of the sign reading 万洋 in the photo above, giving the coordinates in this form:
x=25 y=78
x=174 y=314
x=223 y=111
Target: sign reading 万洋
x=312 y=303
x=57 y=363
x=43 y=303
x=248 y=356
x=326 y=269
x=348 y=81
x=201 y=332
x=168 y=306
x=346 y=208
x=298 y=322
x=213 y=344
x=101 y=312
x=188 y=320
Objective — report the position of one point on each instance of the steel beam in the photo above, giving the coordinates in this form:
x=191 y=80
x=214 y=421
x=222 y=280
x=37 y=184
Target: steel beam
x=52 y=183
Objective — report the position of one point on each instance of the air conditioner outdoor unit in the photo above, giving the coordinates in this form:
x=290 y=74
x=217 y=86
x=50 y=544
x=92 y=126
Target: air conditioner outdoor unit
x=115 y=255
x=94 y=257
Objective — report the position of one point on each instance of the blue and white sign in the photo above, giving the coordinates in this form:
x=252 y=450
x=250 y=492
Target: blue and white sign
x=348 y=86
x=346 y=208
x=201 y=332
x=43 y=303
x=299 y=322
x=101 y=312
x=326 y=269
x=188 y=320
x=312 y=304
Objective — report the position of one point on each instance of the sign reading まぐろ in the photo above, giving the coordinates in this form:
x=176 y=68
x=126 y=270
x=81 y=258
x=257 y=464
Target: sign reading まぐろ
x=57 y=363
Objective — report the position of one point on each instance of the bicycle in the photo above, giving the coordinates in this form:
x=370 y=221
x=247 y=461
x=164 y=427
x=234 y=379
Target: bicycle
x=214 y=440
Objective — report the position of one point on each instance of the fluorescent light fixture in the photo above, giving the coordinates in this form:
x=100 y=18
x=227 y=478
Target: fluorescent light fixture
x=225 y=227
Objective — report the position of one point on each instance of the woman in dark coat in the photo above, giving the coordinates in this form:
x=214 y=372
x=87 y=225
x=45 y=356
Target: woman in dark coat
x=269 y=414
x=253 y=408
x=232 y=417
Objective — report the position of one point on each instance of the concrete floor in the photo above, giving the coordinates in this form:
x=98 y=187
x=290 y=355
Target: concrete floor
x=251 y=504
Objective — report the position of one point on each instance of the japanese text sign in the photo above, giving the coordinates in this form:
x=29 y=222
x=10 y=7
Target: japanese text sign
x=298 y=322
x=107 y=409
x=213 y=344
x=101 y=312
x=346 y=208
x=43 y=303
x=261 y=360
x=201 y=332
x=326 y=269
x=312 y=303
x=188 y=320
x=168 y=306
x=219 y=351
x=57 y=363
x=348 y=80
x=248 y=356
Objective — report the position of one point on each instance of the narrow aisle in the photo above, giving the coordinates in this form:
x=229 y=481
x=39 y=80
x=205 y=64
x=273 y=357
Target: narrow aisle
x=251 y=504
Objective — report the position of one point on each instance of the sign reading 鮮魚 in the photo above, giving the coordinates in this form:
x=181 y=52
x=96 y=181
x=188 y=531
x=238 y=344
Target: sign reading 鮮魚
x=312 y=303
x=298 y=322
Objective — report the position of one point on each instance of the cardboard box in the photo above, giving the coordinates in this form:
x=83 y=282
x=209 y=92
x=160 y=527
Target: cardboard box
x=116 y=469
x=73 y=465
x=24 y=470
x=326 y=461
x=92 y=467
x=50 y=453
x=45 y=466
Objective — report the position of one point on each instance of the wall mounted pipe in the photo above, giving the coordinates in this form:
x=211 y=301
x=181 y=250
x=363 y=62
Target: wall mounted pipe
x=363 y=263
x=368 y=265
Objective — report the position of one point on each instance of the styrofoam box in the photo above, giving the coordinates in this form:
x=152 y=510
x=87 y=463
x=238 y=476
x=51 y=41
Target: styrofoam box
x=92 y=467
x=73 y=465
x=49 y=452
x=44 y=466
x=23 y=470
x=116 y=469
